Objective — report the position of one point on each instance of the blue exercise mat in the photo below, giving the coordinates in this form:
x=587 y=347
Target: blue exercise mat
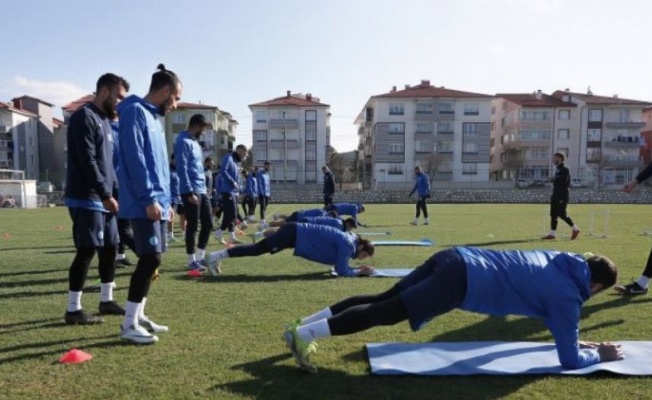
x=494 y=358
x=422 y=242
x=391 y=272
x=373 y=233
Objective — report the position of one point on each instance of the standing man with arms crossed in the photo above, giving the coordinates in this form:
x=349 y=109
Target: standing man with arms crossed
x=329 y=186
x=559 y=199
x=422 y=187
x=192 y=189
x=89 y=191
x=229 y=189
x=264 y=191
x=145 y=193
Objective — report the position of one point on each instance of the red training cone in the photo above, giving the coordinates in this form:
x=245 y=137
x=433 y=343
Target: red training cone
x=195 y=273
x=75 y=356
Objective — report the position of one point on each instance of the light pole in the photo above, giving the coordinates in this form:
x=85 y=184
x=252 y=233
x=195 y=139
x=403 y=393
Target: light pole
x=285 y=154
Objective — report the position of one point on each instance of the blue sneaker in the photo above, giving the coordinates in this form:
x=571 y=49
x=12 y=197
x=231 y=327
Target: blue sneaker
x=195 y=266
x=300 y=349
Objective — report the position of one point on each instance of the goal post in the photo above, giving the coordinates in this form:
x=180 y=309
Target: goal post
x=16 y=191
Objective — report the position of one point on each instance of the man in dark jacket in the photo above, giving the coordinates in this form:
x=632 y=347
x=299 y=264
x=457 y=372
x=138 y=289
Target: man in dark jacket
x=559 y=198
x=329 y=186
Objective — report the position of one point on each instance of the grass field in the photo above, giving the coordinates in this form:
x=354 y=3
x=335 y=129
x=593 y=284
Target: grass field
x=224 y=341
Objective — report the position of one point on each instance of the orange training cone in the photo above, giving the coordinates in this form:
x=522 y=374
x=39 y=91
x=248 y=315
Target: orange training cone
x=75 y=356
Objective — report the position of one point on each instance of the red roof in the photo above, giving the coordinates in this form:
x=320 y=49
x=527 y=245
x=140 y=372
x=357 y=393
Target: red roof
x=425 y=89
x=194 y=106
x=603 y=100
x=33 y=98
x=530 y=100
x=291 y=100
x=57 y=122
x=10 y=107
x=73 y=106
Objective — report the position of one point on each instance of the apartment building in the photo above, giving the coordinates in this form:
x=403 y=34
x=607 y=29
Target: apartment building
x=19 y=140
x=646 y=136
x=293 y=133
x=445 y=131
x=526 y=129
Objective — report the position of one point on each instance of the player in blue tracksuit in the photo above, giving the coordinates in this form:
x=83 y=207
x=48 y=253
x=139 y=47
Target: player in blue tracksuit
x=541 y=284
x=351 y=209
x=125 y=234
x=192 y=189
x=296 y=216
x=318 y=243
x=144 y=177
x=90 y=185
x=175 y=200
x=229 y=189
x=422 y=187
x=250 y=196
x=334 y=222
x=264 y=190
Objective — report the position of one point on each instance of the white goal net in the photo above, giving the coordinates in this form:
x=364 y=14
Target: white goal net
x=15 y=191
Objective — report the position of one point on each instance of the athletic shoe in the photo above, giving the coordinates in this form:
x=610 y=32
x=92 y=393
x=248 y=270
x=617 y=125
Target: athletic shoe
x=138 y=334
x=214 y=266
x=631 y=289
x=82 y=318
x=415 y=222
x=548 y=237
x=196 y=266
x=300 y=349
x=152 y=326
x=243 y=225
x=124 y=263
x=575 y=234
x=426 y=222
x=111 y=308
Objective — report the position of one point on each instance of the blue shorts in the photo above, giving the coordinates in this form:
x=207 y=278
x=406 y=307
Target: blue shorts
x=149 y=236
x=435 y=288
x=92 y=228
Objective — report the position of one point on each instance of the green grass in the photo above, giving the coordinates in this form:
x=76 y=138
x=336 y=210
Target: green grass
x=225 y=341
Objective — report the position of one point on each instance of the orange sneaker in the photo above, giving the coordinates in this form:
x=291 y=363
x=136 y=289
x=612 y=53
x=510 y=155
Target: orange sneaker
x=575 y=234
x=548 y=237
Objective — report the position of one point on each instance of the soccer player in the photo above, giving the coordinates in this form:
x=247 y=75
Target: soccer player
x=145 y=193
x=250 y=195
x=90 y=184
x=329 y=186
x=280 y=219
x=351 y=209
x=229 y=189
x=264 y=191
x=192 y=189
x=317 y=243
x=539 y=283
x=125 y=234
x=175 y=200
x=335 y=222
x=422 y=187
x=559 y=199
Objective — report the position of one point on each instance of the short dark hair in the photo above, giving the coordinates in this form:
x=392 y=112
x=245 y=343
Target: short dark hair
x=267 y=163
x=162 y=78
x=198 y=120
x=603 y=271
x=241 y=147
x=332 y=214
x=207 y=159
x=560 y=155
x=367 y=246
x=109 y=80
x=351 y=221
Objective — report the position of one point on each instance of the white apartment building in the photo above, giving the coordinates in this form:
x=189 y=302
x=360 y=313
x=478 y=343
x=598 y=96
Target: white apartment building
x=444 y=131
x=292 y=133
x=19 y=140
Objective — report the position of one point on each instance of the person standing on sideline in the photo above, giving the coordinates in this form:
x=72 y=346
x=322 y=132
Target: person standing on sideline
x=175 y=201
x=250 y=196
x=208 y=174
x=192 y=189
x=90 y=184
x=559 y=199
x=229 y=189
x=544 y=284
x=144 y=177
x=264 y=191
x=422 y=187
x=640 y=286
x=329 y=186
x=216 y=198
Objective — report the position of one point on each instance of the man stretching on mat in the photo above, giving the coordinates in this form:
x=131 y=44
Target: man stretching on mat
x=538 y=283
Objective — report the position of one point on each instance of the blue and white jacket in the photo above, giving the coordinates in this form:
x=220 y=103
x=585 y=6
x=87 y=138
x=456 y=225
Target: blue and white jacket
x=422 y=185
x=229 y=175
x=251 y=188
x=264 y=188
x=190 y=165
x=326 y=221
x=326 y=245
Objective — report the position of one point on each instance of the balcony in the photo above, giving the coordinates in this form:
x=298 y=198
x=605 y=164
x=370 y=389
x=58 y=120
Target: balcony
x=519 y=144
x=622 y=142
x=283 y=124
x=278 y=144
x=625 y=124
x=622 y=161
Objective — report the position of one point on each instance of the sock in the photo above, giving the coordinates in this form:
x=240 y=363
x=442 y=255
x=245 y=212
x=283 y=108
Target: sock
x=106 y=292
x=643 y=281
x=200 y=254
x=232 y=236
x=315 y=330
x=553 y=233
x=575 y=228
x=322 y=314
x=74 y=301
x=141 y=309
x=219 y=233
x=191 y=258
x=131 y=315
x=219 y=255
x=120 y=256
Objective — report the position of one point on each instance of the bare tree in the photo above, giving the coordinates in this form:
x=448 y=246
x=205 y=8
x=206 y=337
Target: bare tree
x=514 y=161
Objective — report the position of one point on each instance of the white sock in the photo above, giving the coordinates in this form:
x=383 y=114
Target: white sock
x=553 y=233
x=315 y=330
x=219 y=255
x=74 y=301
x=191 y=258
x=131 y=315
x=200 y=254
x=643 y=281
x=120 y=256
x=141 y=309
x=575 y=228
x=106 y=292
x=232 y=236
x=322 y=314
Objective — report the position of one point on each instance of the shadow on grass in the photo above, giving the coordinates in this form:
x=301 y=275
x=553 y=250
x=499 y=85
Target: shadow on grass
x=27 y=293
x=28 y=323
x=31 y=248
x=22 y=272
x=499 y=242
x=70 y=251
x=33 y=282
x=241 y=278
x=78 y=343
x=272 y=380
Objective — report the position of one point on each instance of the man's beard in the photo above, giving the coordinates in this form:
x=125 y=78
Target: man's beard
x=109 y=109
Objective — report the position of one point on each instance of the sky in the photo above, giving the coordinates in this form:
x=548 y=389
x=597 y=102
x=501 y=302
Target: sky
x=231 y=54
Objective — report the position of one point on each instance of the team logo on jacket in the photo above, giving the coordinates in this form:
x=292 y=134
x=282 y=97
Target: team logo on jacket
x=153 y=241
x=100 y=235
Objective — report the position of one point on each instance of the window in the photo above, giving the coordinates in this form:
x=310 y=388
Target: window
x=31 y=141
x=534 y=115
x=31 y=159
x=563 y=150
x=563 y=114
x=422 y=146
x=445 y=166
x=493 y=110
x=261 y=155
x=396 y=148
x=311 y=134
x=469 y=169
x=471 y=109
x=261 y=116
x=396 y=109
x=445 y=126
x=446 y=147
x=424 y=108
x=623 y=116
x=468 y=129
x=563 y=134
x=395 y=169
x=538 y=154
x=311 y=176
x=593 y=154
x=396 y=128
x=537 y=135
x=260 y=136
x=424 y=127
x=446 y=108
x=311 y=115
x=595 y=115
x=311 y=155
x=179 y=118
x=3 y=156
x=594 y=135
x=470 y=148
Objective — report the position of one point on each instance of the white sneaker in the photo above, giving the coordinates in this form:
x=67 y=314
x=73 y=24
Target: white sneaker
x=214 y=266
x=415 y=222
x=243 y=225
x=426 y=221
x=138 y=334
x=152 y=326
x=218 y=234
